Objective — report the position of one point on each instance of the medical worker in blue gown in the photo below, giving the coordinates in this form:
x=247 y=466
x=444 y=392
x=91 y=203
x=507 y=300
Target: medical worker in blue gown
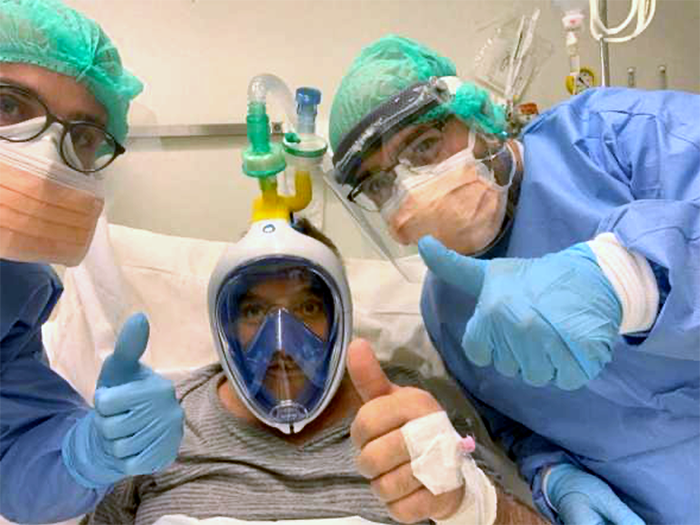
x=63 y=104
x=564 y=283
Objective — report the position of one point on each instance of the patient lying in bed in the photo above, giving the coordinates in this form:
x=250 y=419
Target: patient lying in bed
x=231 y=464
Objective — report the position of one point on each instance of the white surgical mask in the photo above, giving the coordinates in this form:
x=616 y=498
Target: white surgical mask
x=48 y=211
x=458 y=201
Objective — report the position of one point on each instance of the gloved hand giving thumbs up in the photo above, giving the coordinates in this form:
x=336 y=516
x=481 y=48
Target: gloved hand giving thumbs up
x=136 y=425
x=376 y=432
x=551 y=320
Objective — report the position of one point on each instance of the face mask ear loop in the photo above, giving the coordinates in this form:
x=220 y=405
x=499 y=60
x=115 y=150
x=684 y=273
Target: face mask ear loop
x=513 y=165
x=471 y=140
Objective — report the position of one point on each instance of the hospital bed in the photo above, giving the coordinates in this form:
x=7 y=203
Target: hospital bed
x=129 y=270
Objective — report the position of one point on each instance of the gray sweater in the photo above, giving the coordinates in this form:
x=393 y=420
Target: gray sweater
x=227 y=467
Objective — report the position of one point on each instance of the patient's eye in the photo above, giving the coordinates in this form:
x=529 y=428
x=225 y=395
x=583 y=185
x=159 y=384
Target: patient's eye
x=311 y=308
x=252 y=311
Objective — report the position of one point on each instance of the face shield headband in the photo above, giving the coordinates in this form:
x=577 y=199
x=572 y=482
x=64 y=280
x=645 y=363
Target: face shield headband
x=388 y=118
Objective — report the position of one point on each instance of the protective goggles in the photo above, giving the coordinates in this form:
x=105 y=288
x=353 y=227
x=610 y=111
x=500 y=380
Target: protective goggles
x=428 y=146
x=84 y=146
x=382 y=122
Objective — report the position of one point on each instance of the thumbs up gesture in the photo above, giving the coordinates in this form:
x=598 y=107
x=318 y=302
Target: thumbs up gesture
x=384 y=457
x=551 y=320
x=136 y=425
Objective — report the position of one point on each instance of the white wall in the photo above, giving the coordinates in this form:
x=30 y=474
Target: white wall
x=196 y=58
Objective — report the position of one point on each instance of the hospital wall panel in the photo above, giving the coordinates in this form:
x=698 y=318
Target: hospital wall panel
x=196 y=58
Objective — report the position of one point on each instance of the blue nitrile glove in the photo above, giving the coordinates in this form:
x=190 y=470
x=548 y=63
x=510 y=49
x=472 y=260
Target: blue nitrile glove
x=551 y=320
x=136 y=425
x=584 y=499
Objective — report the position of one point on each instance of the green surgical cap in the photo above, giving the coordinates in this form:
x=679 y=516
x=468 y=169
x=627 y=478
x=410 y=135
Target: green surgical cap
x=49 y=34
x=392 y=64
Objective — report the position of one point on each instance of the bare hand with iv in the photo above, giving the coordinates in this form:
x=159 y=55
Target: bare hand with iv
x=137 y=423
x=408 y=448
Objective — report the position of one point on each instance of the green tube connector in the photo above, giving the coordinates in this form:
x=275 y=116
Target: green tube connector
x=262 y=158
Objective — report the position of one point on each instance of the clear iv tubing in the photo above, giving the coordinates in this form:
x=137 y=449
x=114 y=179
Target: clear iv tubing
x=643 y=9
x=261 y=85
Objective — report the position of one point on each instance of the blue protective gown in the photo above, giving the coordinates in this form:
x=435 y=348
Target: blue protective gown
x=37 y=407
x=628 y=162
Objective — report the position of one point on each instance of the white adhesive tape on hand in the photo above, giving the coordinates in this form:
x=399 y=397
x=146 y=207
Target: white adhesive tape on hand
x=436 y=453
x=480 y=501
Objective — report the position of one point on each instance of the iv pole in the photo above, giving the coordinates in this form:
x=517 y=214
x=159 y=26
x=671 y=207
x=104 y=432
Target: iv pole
x=604 y=56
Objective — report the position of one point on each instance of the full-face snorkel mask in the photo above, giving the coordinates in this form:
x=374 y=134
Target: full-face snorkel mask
x=281 y=316
x=279 y=304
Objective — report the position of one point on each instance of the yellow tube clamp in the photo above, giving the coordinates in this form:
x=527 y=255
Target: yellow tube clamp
x=272 y=205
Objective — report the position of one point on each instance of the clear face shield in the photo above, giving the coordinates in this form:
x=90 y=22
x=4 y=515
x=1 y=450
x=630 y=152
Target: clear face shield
x=413 y=167
x=279 y=322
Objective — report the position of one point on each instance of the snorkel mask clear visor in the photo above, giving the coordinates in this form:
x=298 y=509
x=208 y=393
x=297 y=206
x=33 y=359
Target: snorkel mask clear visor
x=281 y=318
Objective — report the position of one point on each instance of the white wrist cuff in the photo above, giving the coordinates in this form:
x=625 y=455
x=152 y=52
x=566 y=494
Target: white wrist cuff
x=480 y=501
x=632 y=279
x=545 y=478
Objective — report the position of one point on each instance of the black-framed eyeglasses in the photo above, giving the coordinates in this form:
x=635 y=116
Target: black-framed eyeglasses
x=84 y=146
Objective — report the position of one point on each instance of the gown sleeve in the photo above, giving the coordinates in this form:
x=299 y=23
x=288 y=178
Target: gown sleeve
x=659 y=149
x=37 y=406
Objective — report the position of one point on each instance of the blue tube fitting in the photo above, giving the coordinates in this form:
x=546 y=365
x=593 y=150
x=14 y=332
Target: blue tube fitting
x=307 y=99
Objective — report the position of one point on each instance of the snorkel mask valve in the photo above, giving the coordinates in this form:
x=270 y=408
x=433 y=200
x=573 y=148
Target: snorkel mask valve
x=264 y=159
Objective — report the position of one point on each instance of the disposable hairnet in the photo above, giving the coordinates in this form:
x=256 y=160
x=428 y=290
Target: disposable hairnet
x=390 y=65
x=49 y=34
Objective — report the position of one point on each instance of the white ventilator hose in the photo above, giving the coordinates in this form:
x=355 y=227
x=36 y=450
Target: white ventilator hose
x=644 y=10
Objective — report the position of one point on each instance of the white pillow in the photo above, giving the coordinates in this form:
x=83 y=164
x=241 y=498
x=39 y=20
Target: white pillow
x=129 y=270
